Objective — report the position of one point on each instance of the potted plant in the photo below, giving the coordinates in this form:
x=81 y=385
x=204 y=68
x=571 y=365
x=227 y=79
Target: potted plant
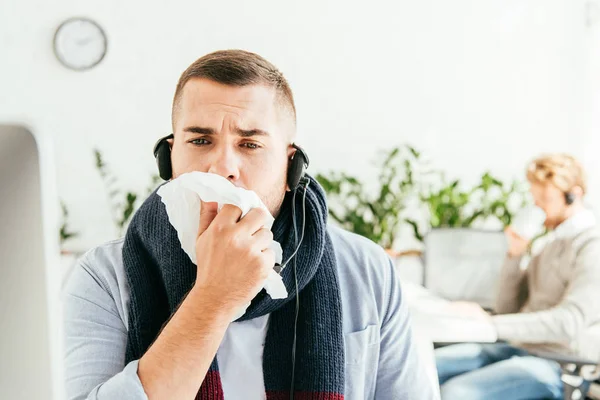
x=64 y=231
x=403 y=177
x=378 y=213
x=452 y=206
x=123 y=204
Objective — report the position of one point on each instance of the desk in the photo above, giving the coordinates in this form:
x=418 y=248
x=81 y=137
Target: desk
x=432 y=316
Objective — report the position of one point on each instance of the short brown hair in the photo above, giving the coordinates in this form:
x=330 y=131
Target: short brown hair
x=560 y=170
x=236 y=68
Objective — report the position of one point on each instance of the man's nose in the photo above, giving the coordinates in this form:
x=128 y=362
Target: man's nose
x=224 y=162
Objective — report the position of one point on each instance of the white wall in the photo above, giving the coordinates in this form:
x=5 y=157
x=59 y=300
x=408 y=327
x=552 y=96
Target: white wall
x=592 y=98
x=478 y=84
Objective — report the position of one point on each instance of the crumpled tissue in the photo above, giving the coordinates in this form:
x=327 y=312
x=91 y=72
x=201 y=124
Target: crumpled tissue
x=181 y=198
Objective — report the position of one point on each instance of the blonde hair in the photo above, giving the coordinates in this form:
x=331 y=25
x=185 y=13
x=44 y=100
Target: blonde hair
x=561 y=170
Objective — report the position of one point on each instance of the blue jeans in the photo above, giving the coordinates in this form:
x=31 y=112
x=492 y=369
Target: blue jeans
x=495 y=371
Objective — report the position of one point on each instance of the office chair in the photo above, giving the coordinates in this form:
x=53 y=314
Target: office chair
x=577 y=373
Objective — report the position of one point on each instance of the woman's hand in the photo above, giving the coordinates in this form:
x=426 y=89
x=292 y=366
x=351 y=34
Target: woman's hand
x=517 y=246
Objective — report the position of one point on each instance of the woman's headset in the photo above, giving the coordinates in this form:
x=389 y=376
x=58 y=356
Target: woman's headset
x=570 y=198
x=296 y=168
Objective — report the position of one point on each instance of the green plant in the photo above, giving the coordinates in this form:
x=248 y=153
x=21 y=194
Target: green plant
x=445 y=207
x=375 y=214
x=65 y=232
x=123 y=204
x=451 y=206
x=495 y=203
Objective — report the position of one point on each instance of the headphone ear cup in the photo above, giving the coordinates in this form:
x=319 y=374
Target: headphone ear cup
x=163 y=160
x=296 y=170
x=569 y=198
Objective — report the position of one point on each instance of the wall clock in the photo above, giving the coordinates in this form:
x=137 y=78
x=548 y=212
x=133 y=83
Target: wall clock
x=80 y=43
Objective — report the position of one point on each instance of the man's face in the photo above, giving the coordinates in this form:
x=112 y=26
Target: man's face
x=552 y=200
x=240 y=133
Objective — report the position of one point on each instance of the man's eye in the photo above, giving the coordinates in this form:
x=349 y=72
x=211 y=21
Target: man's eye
x=199 y=142
x=252 y=146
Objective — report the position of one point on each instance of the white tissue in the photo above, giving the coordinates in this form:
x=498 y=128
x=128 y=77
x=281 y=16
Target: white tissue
x=181 y=198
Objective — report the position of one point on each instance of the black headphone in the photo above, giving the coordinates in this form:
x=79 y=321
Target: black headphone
x=570 y=198
x=296 y=168
x=296 y=179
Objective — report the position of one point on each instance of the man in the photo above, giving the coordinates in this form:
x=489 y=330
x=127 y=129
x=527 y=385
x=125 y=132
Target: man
x=142 y=323
x=551 y=305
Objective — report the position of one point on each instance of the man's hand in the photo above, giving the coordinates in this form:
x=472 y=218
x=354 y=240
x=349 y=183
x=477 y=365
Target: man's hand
x=233 y=255
x=517 y=246
x=234 y=260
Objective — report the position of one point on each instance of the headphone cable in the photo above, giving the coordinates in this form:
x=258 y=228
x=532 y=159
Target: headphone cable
x=305 y=182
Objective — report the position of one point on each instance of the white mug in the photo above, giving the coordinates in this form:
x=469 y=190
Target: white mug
x=527 y=222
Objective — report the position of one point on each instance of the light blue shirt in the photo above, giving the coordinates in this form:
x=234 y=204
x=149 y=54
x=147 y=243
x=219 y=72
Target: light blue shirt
x=381 y=358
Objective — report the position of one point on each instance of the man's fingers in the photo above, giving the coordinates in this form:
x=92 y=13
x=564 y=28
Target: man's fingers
x=255 y=220
x=230 y=214
x=269 y=257
x=208 y=212
x=263 y=239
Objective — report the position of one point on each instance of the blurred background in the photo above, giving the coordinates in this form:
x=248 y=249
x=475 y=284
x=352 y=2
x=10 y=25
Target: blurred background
x=474 y=86
x=416 y=114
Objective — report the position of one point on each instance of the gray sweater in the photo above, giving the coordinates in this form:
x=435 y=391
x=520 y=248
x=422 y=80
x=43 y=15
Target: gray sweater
x=555 y=302
x=382 y=361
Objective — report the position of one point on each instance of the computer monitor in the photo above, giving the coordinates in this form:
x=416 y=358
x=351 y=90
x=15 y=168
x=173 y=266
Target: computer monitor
x=464 y=264
x=30 y=312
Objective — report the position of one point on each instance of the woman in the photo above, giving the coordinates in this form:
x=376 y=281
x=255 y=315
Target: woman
x=551 y=304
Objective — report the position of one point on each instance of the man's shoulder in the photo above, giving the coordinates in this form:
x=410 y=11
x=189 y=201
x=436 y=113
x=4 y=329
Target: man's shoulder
x=353 y=252
x=106 y=256
x=360 y=259
x=356 y=246
x=104 y=264
x=107 y=249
